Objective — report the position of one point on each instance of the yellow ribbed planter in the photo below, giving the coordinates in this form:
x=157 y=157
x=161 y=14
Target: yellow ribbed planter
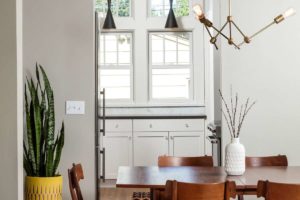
x=46 y=188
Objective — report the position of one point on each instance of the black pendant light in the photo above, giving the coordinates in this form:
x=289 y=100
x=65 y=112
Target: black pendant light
x=171 y=20
x=109 y=20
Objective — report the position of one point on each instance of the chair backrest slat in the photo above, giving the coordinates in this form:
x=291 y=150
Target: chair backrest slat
x=280 y=160
x=191 y=191
x=278 y=191
x=172 y=161
x=75 y=174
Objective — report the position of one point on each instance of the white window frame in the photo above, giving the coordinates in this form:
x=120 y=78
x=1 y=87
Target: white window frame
x=150 y=15
x=151 y=66
x=130 y=67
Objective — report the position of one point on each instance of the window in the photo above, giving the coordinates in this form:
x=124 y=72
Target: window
x=170 y=65
x=120 y=8
x=160 y=8
x=115 y=58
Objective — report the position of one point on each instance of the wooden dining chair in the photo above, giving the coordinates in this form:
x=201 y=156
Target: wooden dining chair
x=75 y=174
x=280 y=160
x=172 y=161
x=192 y=191
x=278 y=191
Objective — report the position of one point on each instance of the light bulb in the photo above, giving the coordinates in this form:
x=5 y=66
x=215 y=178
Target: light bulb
x=198 y=11
x=289 y=12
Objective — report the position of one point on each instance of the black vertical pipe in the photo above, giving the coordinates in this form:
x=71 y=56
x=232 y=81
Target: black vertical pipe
x=96 y=107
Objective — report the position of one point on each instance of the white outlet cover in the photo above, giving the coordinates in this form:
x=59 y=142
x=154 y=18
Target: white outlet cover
x=75 y=107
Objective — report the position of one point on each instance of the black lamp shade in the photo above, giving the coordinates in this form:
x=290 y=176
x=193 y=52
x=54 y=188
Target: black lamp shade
x=109 y=22
x=171 y=20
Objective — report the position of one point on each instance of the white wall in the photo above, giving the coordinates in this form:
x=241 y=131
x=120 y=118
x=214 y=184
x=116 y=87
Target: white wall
x=11 y=108
x=60 y=36
x=266 y=70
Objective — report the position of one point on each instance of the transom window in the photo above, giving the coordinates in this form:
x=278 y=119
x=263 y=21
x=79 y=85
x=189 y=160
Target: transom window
x=120 y=8
x=170 y=65
x=115 y=58
x=160 y=8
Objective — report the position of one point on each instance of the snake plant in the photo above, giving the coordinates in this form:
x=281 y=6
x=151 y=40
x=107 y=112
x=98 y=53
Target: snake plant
x=42 y=147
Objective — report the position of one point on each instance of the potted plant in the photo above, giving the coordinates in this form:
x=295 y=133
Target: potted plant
x=42 y=147
x=234 y=116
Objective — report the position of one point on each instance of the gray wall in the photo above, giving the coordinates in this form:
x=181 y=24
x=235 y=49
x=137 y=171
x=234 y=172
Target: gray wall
x=266 y=70
x=11 y=109
x=59 y=35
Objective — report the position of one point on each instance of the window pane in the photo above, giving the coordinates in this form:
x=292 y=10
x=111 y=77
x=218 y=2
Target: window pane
x=166 y=48
x=110 y=43
x=116 y=49
x=160 y=8
x=124 y=8
x=171 y=42
x=124 y=58
x=183 y=57
x=111 y=57
x=124 y=42
x=120 y=8
x=170 y=83
x=157 y=42
x=115 y=65
x=158 y=58
x=116 y=83
x=170 y=57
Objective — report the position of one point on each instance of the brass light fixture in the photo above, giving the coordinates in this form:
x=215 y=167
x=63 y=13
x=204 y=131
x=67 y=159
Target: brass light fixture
x=230 y=22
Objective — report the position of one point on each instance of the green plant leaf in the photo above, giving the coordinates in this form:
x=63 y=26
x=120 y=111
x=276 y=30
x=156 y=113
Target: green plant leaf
x=29 y=132
x=59 y=147
x=37 y=122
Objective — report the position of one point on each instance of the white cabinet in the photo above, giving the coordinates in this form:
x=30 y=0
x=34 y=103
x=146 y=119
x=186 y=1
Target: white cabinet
x=117 y=143
x=148 y=146
x=118 y=152
x=186 y=144
x=174 y=137
x=140 y=142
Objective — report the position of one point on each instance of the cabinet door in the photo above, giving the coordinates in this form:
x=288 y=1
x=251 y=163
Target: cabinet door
x=187 y=143
x=148 y=146
x=118 y=152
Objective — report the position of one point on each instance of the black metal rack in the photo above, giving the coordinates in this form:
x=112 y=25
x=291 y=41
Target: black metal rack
x=96 y=107
x=98 y=151
x=102 y=130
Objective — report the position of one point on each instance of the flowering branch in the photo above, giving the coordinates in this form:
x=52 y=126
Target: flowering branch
x=235 y=124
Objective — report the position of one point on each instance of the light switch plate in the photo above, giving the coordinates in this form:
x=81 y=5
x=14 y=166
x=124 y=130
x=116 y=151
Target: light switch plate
x=75 y=107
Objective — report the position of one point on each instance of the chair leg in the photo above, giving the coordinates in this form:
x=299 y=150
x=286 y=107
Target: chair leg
x=240 y=197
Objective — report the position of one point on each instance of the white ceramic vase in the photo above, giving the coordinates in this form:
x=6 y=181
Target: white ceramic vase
x=235 y=158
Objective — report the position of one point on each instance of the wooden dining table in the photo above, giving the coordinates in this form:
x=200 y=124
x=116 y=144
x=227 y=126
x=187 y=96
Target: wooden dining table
x=155 y=178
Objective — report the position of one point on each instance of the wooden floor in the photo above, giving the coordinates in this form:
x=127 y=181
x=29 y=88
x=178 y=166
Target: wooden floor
x=118 y=193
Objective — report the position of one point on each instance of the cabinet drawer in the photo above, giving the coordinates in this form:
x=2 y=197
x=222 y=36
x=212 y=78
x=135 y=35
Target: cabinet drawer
x=169 y=125
x=117 y=125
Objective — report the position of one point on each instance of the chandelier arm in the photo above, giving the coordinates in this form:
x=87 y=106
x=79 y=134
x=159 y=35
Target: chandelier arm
x=225 y=37
x=236 y=26
x=209 y=33
x=220 y=31
x=258 y=32
x=230 y=30
x=261 y=30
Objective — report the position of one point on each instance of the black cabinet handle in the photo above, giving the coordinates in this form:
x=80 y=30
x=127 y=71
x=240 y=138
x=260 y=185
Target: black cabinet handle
x=103 y=112
x=103 y=164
